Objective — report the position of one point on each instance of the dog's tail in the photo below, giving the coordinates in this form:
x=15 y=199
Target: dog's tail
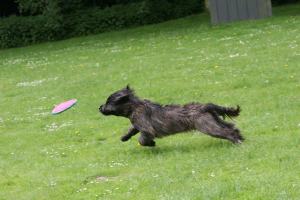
x=222 y=111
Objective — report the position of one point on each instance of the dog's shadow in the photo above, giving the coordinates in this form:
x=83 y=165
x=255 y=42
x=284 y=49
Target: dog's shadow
x=183 y=148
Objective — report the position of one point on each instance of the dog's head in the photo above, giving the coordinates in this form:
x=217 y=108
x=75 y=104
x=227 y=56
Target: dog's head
x=118 y=103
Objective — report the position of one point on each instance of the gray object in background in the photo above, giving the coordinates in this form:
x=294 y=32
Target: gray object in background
x=222 y=11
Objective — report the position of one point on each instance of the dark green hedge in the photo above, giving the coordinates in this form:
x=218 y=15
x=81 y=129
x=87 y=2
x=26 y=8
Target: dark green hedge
x=161 y=10
x=280 y=2
x=95 y=20
x=20 y=31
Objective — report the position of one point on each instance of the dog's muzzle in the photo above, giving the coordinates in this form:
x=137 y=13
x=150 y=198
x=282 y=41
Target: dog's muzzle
x=103 y=110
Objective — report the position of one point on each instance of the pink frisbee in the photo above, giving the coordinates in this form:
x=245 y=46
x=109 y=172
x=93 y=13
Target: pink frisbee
x=64 y=106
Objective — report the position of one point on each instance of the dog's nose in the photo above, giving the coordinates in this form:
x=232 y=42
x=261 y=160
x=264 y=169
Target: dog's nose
x=100 y=108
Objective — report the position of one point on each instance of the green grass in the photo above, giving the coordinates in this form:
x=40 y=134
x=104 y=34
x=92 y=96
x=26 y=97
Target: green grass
x=78 y=154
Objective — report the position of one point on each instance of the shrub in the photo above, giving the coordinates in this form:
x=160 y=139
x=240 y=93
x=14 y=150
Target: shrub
x=280 y=2
x=20 y=31
x=95 y=20
x=56 y=24
x=161 y=10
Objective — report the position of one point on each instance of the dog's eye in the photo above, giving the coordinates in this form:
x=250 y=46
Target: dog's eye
x=122 y=99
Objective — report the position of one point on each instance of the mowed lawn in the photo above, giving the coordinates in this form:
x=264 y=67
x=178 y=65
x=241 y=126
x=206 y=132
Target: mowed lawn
x=78 y=154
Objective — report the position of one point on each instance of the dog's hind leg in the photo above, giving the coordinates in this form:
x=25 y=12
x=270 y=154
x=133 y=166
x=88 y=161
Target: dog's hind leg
x=146 y=139
x=213 y=126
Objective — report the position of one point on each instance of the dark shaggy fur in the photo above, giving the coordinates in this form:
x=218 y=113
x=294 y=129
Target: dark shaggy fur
x=155 y=121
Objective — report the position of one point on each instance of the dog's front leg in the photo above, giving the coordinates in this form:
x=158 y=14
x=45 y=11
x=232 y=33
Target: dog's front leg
x=131 y=132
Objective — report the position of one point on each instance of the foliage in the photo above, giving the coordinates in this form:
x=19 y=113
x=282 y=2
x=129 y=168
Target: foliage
x=32 y=7
x=108 y=3
x=95 y=20
x=98 y=20
x=280 y=2
x=17 y=31
x=61 y=19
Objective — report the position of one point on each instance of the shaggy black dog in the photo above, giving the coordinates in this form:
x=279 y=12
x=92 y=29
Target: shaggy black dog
x=155 y=120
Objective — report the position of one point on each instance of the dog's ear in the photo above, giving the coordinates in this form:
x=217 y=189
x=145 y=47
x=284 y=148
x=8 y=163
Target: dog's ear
x=129 y=89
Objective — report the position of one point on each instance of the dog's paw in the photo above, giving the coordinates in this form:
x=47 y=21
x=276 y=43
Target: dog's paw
x=125 y=138
x=149 y=143
x=152 y=144
x=238 y=142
